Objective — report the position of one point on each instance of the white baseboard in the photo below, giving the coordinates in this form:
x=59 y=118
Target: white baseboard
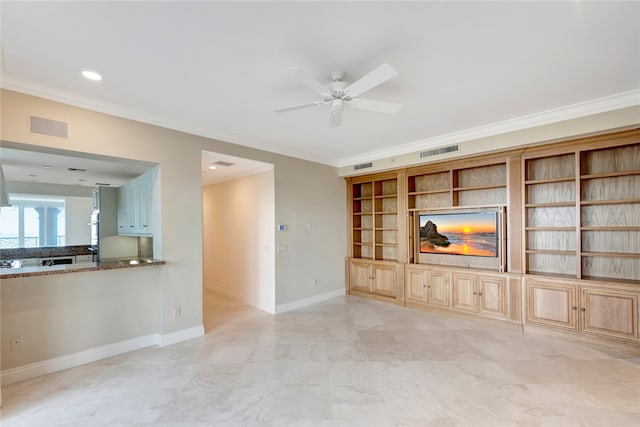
x=182 y=335
x=293 y=305
x=49 y=366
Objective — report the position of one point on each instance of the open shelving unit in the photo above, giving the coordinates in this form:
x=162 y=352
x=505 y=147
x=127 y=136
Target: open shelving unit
x=375 y=223
x=582 y=213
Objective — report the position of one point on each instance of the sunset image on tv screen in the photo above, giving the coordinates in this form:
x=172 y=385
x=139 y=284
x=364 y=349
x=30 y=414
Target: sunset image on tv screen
x=459 y=234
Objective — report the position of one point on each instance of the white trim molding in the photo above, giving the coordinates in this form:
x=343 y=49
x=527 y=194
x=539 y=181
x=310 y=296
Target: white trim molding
x=293 y=305
x=582 y=109
x=61 y=363
x=182 y=335
x=49 y=366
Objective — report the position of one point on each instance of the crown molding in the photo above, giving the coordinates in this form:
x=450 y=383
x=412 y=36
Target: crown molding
x=595 y=106
x=16 y=84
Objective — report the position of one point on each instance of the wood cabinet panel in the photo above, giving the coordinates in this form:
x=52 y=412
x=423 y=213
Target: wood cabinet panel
x=552 y=305
x=385 y=280
x=464 y=292
x=361 y=276
x=416 y=285
x=609 y=313
x=439 y=288
x=492 y=295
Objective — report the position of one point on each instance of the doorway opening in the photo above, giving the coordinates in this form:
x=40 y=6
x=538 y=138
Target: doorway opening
x=238 y=217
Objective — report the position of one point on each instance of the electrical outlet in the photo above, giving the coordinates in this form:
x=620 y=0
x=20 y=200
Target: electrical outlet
x=177 y=312
x=315 y=283
x=16 y=342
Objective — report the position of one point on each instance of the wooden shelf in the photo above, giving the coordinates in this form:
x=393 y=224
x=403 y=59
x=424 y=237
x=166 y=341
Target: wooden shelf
x=610 y=254
x=549 y=180
x=424 y=193
x=479 y=187
x=549 y=204
x=609 y=202
x=386 y=196
x=550 y=252
x=362 y=198
x=362 y=229
x=611 y=228
x=550 y=228
x=392 y=245
x=363 y=213
x=611 y=174
x=385 y=229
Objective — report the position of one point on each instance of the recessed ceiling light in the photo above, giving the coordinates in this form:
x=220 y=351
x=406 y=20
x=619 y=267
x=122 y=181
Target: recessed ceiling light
x=91 y=75
x=46 y=166
x=212 y=167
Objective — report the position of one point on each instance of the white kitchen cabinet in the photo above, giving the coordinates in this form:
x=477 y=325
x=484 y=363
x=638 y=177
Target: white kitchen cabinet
x=135 y=201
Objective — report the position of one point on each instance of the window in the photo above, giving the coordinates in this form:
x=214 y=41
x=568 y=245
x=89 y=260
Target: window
x=32 y=221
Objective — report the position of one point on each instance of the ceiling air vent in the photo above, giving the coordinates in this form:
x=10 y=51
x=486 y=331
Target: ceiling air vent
x=440 y=150
x=103 y=184
x=76 y=170
x=48 y=127
x=362 y=166
x=221 y=163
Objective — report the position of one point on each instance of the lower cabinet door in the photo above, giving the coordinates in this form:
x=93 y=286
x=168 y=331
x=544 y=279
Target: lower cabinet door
x=439 y=288
x=361 y=277
x=552 y=305
x=609 y=313
x=464 y=293
x=416 y=285
x=385 y=280
x=492 y=296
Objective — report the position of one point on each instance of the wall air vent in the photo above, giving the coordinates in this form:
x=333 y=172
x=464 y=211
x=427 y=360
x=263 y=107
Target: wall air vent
x=363 y=166
x=48 y=127
x=440 y=150
x=221 y=163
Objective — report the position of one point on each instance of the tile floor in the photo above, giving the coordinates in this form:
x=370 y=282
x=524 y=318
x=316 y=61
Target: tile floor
x=344 y=362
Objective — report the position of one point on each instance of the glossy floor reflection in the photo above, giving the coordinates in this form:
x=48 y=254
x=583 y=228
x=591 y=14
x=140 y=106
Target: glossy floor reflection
x=345 y=362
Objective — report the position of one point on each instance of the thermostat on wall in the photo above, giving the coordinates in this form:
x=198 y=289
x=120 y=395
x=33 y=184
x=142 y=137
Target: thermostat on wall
x=282 y=227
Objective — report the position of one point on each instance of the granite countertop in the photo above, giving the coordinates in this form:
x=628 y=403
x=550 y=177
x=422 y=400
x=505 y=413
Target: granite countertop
x=10 y=273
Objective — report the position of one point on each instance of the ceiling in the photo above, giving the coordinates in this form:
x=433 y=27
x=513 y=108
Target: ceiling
x=66 y=168
x=217 y=68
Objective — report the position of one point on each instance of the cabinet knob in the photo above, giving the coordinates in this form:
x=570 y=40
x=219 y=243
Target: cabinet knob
x=475 y=293
x=574 y=308
x=583 y=309
x=480 y=293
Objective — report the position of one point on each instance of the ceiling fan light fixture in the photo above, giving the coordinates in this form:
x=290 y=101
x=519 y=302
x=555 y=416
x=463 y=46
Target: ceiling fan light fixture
x=338 y=92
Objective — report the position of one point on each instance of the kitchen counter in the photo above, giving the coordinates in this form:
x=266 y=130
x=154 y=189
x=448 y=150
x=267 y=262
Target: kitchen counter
x=10 y=273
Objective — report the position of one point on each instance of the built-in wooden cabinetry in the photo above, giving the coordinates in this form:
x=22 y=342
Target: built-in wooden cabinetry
x=582 y=210
x=570 y=218
x=377 y=235
x=600 y=309
x=428 y=285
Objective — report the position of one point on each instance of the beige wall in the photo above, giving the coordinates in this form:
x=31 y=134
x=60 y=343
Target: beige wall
x=304 y=192
x=238 y=239
x=66 y=313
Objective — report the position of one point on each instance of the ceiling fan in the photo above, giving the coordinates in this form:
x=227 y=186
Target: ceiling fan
x=338 y=93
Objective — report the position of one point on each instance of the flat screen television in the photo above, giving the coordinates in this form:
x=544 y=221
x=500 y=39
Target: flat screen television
x=468 y=233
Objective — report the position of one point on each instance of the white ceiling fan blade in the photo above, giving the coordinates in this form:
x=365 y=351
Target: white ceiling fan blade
x=380 y=75
x=373 y=105
x=298 y=107
x=313 y=84
x=335 y=116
